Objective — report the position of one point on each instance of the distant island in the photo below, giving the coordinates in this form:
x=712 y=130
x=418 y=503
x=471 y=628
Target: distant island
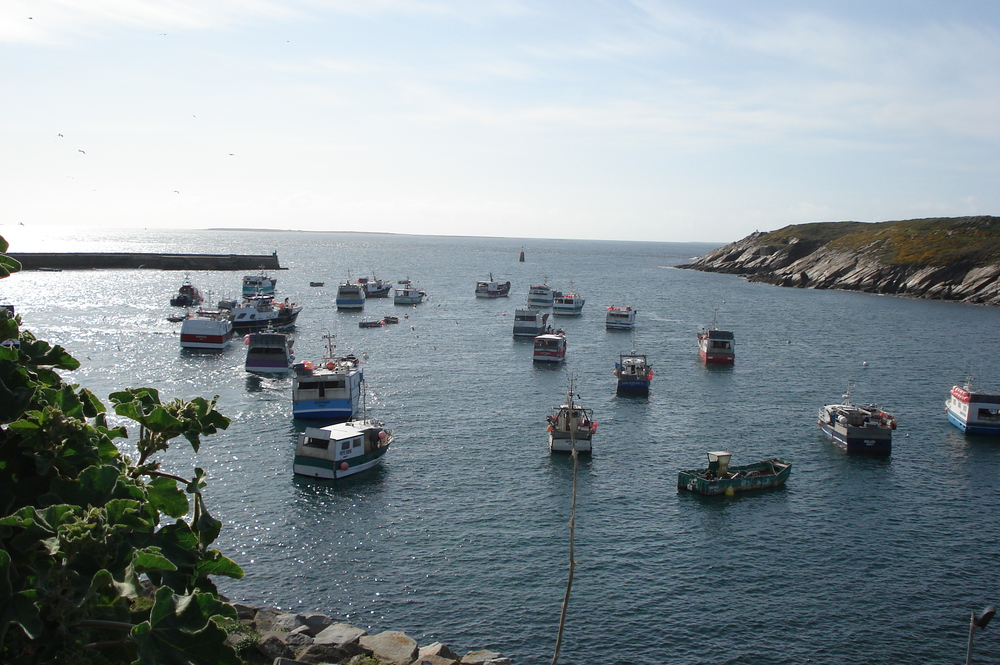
x=946 y=258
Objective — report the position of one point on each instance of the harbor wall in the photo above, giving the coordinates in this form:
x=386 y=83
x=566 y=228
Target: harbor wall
x=151 y=261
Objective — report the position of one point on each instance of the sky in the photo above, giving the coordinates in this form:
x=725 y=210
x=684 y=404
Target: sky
x=665 y=120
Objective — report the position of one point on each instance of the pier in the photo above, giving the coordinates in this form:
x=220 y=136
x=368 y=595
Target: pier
x=150 y=261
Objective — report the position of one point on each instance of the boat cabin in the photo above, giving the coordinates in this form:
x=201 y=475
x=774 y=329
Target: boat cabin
x=718 y=463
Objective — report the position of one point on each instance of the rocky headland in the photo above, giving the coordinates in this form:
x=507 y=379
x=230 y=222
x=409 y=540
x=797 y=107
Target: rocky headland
x=954 y=258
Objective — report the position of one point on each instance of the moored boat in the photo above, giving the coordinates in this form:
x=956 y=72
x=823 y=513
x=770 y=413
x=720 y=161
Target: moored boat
x=262 y=284
x=261 y=312
x=540 y=295
x=529 y=322
x=187 y=295
x=568 y=304
x=720 y=478
x=620 y=318
x=330 y=389
x=207 y=330
x=571 y=426
x=407 y=293
x=341 y=450
x=973 y=411
x=375 y=287
x=550 y=347
x=490 y=288
x=268 y=352
x=371 y=324
x=317 y=283
x=633 y=373
x=716 y=346
x=857 y=427
x=350 y=295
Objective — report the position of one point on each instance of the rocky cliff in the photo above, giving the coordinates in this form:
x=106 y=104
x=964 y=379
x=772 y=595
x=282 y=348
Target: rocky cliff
x=943 y=258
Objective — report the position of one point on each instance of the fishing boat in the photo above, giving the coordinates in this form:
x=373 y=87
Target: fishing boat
x=540 y=295
x=341 y=450
x=187 y=296
x=207 y=330
x=371 y=324
x=567 y=304
x=972 y=411
x=490 y=288
x=350 y=295
x=571 y=426
x=407 y=293
x=261 y=312
x=388 y=318
x=633 y=373
x=330 y=389
x=550 y=347
x=375 y=287
x=261 y=284
x=317 y=283
x=529 y=322
x=716 y=346
x=720 y=478
x=857 y=427
x=620 y=318
x=268 y=352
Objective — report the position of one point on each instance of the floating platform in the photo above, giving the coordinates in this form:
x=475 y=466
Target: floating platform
x=113 y=260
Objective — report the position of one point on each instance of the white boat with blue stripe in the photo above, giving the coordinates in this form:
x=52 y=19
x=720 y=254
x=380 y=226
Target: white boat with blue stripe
x=330 y=390
x=973 y=412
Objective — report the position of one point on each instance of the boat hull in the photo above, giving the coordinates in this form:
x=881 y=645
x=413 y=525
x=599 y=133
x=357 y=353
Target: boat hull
x=331 y=470
x=344 y=405
x=634 y=386
x=974 y=413
x=560 y=442
x=749 y=478
x=280 y=319
x=875 y=440
x=204 y=333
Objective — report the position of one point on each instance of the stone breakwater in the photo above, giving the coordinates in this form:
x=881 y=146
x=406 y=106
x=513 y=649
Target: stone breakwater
x=286 y=638
x=149 y=261
x=829 y=268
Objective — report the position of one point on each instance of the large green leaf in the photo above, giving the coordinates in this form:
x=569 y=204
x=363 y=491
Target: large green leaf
x=167 y=497
x=180 y=631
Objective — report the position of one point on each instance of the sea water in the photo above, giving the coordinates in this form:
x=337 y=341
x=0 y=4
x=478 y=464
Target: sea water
x=462 y=534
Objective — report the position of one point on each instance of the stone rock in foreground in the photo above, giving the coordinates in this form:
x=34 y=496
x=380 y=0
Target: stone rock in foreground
x=393 y=646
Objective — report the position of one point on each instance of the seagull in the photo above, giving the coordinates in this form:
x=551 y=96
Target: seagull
x=60 y=135
x=78 y=150
x=176 y=192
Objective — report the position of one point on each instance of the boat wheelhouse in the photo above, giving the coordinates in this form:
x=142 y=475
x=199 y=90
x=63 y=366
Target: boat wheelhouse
x=620 y=318
x=341 y=450
x=716 y=346
x=633 y=373
x=350 y=295
x=211 y=330
x=571 y=426
x=529 y=322
x=568 y=304
x=540 y=295
x=330 y=389
x=262 y=284
x=261 y=312
x=490 y=288
x=972 y=411
x=550 y=347
x=268 y=352
x=720 y=478
x=375 y=287
x=857 y=427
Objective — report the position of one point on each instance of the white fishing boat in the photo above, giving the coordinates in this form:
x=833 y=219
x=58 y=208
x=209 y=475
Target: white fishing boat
x=620 y=318
x=341 y=450
x=330 y=389
x=375 y=287
x=633 y=373
x=268 y=352
x=568 y=304
x=407 y=293
x=261 y=312
x=261 y=284
x=207 y=330
x=571 y=426
x=973 y=411
x=490 y=288
x=350 y=295
x=550 y=347
x=529 y=322
x=540 y=295
x=862 y=428
x=716 y=346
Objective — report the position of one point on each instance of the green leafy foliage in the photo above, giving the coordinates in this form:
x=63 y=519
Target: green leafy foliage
x=88 y=573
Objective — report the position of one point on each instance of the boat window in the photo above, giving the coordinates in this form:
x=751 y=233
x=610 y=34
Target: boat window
x=317 y=443
x=334 y=384
x=241 y=316
x=989 y=414
x=357 y=443
x=345 y=446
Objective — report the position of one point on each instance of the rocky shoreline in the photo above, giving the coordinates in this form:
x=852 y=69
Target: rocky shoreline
x=267 y=635
x=791 y=257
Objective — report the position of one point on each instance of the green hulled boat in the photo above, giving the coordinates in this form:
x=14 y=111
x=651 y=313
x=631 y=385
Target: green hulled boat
x=720 y=478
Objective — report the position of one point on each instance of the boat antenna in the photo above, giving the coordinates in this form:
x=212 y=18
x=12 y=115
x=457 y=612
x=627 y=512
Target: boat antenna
x=330 y=348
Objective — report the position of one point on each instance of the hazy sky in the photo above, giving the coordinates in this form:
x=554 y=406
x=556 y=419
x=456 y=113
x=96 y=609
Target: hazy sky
x=646 y=120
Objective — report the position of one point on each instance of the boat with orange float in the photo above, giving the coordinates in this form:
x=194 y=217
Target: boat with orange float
x=571 y=426
x=633 y=373
x=620 y=318
x=330 y=389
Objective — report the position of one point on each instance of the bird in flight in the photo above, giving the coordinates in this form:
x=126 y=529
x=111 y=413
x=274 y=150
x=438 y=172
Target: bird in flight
x=78 y=150
x=60 y=135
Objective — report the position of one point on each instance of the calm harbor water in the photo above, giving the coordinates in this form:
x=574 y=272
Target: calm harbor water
x=462 y=535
